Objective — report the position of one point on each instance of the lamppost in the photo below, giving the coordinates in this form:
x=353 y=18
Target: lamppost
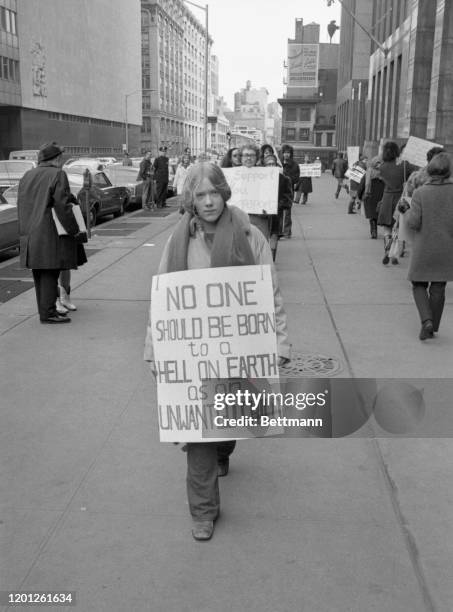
x=206 y=69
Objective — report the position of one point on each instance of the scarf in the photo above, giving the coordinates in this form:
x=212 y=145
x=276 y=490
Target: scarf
x=230 y=247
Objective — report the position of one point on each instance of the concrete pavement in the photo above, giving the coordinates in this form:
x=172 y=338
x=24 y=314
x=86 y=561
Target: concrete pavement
x=91 y=501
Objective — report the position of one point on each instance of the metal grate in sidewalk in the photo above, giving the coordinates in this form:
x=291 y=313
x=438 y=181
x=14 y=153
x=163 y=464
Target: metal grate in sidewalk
x=311 y=365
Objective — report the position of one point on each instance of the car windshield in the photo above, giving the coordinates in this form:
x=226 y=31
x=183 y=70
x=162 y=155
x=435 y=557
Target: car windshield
x=121 y=174
x=76 y=170
x=15 y=167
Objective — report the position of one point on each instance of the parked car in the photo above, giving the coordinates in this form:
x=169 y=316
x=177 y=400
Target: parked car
x=104 y=198
x=25 y=154
x=91 y=163
x=9 y=223
x=126 y=176
x=12 y=170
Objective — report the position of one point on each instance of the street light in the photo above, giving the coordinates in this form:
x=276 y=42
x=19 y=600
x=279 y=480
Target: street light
x=206 y=70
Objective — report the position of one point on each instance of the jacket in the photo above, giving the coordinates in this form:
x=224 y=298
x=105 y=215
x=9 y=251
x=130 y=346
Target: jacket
x=339 y=167
x=41 y=248
x=160 y=167
x=199 y=257
x=144 y=172
x=431 y=216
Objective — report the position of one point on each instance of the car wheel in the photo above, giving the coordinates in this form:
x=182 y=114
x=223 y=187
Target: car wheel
x=93 y=215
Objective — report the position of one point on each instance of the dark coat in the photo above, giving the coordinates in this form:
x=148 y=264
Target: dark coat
x=305 y=184
x=339 y=167
x=431 y=216
x=394 y=175
x=145 y=170
x=41 y=248
x=371 y=200
x=161 y=168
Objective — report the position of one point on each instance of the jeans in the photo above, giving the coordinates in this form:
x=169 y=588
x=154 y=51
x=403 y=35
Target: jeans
x=430 y=302
x=147 y=193
x=202 y=479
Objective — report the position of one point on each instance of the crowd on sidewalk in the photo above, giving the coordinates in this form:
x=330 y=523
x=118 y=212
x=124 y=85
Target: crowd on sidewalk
x=211 y=234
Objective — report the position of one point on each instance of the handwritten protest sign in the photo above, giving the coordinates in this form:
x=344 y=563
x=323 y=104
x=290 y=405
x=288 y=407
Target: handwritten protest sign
x=254 y=190
x=355 y=174
x=416 y=150
x=209 y=324
x=353 y=155
x=310 y=169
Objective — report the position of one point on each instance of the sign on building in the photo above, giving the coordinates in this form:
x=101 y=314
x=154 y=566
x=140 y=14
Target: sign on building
x=303 y=61
x=254 y=190
x=209 y=325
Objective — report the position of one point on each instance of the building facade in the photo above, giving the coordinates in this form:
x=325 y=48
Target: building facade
x=173 y=77
x=250 y=107
x=410 y=78
x=64 y=79
x=353 y=71
x=309 y=103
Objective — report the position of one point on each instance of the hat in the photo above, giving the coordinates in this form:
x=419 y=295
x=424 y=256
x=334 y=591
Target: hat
x=162 y=148
x=49 y=151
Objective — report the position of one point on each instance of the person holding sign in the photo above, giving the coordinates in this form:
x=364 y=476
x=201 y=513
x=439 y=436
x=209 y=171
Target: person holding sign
x=232 y=158
x=213 y=235
x=305 y=185
x=292 y=171
x=249 y=158
x=284 y=202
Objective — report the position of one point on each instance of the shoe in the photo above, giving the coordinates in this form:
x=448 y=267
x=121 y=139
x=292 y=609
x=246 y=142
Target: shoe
x=336 y=196
x=202 y=530
x=385 y=259
x=395 y=261
x=56 y=319
x=223 y=467
x=427 y=330
x=64 y=299
x=60 y=308
x=351 y=212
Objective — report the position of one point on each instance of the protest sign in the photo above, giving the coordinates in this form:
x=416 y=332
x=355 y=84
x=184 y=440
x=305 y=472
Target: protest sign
x=254 y=190
x=355 y=174
x=310 y=169
x=416 y=149
x=353 y=155
x=206 y=329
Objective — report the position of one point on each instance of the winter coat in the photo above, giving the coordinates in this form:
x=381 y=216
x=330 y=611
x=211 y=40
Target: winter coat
x=180 y=177
x=199 y=256
x=41 y=248
x=145 y=171
x=292 y=171
x=161 y=168
x=305 y=184
x=431 y=216
x=339 y=167
x=371 y=200
x=394 y=176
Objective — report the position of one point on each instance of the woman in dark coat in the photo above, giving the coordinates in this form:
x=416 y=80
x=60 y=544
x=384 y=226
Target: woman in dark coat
x=370 y=192
x=394 y=176
x=304 y=186
x=431 y=265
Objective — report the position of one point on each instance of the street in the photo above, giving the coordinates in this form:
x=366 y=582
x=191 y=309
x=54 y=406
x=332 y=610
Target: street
x=92 y=502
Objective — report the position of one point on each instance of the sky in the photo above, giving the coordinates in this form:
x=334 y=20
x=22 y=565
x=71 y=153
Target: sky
x=250 y=39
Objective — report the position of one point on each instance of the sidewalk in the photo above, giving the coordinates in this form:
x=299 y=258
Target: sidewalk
x=92 y=502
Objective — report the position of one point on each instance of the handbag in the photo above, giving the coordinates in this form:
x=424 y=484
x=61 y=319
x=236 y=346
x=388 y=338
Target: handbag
x=78 y=217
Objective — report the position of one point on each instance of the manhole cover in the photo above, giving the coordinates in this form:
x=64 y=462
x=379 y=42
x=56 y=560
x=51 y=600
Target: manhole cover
x=304 y=364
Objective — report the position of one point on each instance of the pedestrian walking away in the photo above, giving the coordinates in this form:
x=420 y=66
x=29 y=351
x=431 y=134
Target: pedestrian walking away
x=210 y=235
x=339 y=167
x=42 y=250
x=145 y=174
x=160 y=167
x=431 y=265
x=370 y=191
x=291 y=170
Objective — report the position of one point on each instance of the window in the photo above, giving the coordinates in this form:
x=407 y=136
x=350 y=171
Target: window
x=305 y=113
x=318 y=139
x=304 y=134
x=291 y=114
x=100 y=180
x=290 y=134
x=329 y=139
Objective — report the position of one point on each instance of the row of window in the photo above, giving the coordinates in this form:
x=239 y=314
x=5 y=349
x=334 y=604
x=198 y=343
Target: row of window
x=8 y=20
x=9 y=69
x=304 y=135
x=301 y=113
x=79 y=119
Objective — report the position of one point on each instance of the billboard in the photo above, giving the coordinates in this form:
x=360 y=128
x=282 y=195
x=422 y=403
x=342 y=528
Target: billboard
x=303 y=62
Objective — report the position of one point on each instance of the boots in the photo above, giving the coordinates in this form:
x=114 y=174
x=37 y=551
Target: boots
x=373 y=228
x=387 y=245
x=351 y=210
x=64 y=299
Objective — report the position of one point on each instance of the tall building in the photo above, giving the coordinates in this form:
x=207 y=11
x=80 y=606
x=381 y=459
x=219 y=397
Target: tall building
x=218 y=123
x=274 y=124
x=309 y=103
x=353 y=69
x=250 y=107
x=173 y=77
x=63 y=76
x=411 y=81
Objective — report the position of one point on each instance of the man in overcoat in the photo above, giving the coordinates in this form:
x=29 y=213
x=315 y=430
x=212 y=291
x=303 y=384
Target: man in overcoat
x=40 y=190
x=161 y=175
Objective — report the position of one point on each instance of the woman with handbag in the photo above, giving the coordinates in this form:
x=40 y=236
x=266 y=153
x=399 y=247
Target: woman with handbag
x=210 y=235
x=431 y=266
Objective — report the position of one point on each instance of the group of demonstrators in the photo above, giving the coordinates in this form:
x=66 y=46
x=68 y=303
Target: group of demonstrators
x=410 y=204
